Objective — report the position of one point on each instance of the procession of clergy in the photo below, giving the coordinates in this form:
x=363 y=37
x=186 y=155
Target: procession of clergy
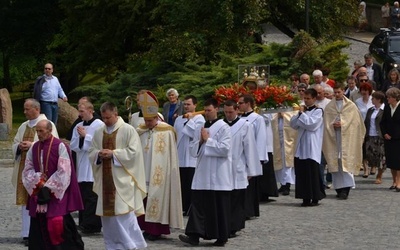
x=136 y=181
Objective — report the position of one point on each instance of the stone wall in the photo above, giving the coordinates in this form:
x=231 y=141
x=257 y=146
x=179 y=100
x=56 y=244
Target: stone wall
x=374 y=17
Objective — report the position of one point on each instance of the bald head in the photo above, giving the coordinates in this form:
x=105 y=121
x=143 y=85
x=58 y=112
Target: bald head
x=320 y=92
x=43 y=129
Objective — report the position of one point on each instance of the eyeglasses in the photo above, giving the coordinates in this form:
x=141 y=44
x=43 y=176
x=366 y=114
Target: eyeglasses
x=301 y=90
x=363 y=80
x=239 y=103
x=47 y=68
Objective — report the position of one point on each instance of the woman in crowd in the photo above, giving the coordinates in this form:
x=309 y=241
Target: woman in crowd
x=374 y=144
x=173 y=108
x=393 y=80
x=365 y=101
x=357 y=64
x=390 y=128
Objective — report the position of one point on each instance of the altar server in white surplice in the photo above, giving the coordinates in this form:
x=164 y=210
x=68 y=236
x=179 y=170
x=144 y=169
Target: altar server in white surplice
x=212 y=181
x=246 y=104
x=185 y=126
x=310 y=127
x=82 y=136
x=244 y=160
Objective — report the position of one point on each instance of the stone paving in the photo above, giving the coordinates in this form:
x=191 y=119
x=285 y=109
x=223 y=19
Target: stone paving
x=368 y=219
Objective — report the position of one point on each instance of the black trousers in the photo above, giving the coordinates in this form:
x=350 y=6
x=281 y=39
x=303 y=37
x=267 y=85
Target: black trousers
x=87 y=217
x=186 y=175
x=267 y=181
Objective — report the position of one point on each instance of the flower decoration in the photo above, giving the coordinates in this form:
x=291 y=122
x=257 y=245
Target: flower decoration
x=270 y=97
x=232 y=92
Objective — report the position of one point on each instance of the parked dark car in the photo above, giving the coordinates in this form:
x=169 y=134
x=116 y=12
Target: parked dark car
x=385 y=48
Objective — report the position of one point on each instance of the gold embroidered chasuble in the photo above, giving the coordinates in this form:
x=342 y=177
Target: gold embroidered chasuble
x=289 y=140
x=119 y=182
x=22 y=194
x=164 y=204
x=108 y=182
x=352 y=134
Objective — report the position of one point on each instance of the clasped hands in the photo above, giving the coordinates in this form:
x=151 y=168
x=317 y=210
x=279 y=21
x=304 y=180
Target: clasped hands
x=24 y=145
x=81 y=131
x=204 y=135
x=105 y=154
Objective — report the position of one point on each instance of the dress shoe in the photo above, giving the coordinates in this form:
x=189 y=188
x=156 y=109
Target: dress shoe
x=286 y=191
x=153 y=237
x=219 y=243
x=194 y=241
x=343 y=196
x=89 y=231
x=25 y=241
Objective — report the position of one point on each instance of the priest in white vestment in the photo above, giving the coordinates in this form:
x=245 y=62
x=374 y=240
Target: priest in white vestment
x=185 y=126
x=212 y=182
x=163 y=203
x=284 y=148
x=23 y=140
x=343 y=139
x=119 y=180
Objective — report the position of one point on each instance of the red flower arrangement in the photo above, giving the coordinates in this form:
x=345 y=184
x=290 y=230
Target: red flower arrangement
x=270 y=97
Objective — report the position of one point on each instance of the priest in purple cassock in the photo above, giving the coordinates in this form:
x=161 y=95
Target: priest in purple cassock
x=49 y=177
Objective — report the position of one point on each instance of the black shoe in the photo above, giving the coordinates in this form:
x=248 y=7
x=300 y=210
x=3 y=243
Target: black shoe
x=188 y=239
x=232 y=234
x=90 y=231
x=343 y=196
x=314 y=204
x=145 y=235
x=280 y=190
x=219 y=243
x=153 y=237
x=286 y=191
x=25 y=241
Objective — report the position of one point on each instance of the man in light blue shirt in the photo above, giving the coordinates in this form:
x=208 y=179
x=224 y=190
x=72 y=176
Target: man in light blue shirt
x=47 y=90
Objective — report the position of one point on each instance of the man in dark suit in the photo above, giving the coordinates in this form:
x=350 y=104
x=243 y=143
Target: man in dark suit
x=374 y=71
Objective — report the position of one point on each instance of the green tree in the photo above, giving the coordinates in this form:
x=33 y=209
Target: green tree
x=26 y=28
x=328 y=19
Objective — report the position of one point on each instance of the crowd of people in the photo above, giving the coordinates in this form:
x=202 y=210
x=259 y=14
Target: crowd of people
x=134 y=181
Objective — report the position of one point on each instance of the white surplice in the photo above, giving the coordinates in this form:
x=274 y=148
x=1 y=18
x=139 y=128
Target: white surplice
x=260 y=134
x=84 y=171
x=244 y=154
x=185 y=134
x=214 y=159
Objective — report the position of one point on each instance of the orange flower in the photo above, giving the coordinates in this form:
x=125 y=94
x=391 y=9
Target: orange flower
x=268 y=97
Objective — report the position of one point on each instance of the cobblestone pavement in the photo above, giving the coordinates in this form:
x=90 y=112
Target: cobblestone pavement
x=368 y=219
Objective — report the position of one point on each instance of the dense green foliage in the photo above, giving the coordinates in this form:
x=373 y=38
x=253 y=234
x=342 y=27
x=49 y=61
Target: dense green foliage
x=303 y=54
x=191 y=45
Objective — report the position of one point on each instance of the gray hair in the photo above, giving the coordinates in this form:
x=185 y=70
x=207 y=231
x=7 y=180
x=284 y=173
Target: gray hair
x=172 y=90
x=328 y=89
x=394 y=93
x=317 y=72
x=34 y=103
